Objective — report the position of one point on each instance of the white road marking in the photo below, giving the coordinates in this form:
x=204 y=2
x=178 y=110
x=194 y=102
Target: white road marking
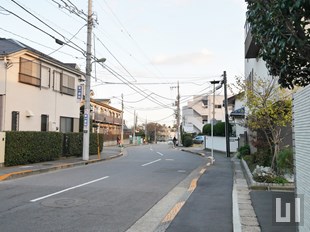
x=160 y=153
x=169 y=159
x=65 y=190
x=151 y=162
x=182 y=171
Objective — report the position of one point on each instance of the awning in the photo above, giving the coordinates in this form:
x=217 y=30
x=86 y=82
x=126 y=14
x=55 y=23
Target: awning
x=238 y=112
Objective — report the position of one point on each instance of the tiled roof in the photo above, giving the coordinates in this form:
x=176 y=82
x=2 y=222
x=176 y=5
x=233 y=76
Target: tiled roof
x=9 y=46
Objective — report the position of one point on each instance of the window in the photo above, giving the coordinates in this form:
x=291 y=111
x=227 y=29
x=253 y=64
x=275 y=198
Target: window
x=45 y=76
x=205 y=119
x=68 y=85
x=205 y=103
x=15 y=121
x=66 y=124
x=217 y=106
x=44 y=122
x=29 y=72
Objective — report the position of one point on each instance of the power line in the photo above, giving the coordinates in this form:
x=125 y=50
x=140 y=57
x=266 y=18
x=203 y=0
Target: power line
x=137 y=89
x=67 y=41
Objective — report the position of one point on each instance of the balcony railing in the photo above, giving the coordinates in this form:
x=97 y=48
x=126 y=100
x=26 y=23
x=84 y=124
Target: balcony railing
x=250 y=48
x=107 y=119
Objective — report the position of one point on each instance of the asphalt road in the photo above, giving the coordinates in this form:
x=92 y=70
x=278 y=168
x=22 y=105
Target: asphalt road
x=106 y=196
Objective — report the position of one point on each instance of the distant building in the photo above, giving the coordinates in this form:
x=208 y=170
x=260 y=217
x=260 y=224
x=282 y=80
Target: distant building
x=105 y=117
x=199 y=112
x=37 y=92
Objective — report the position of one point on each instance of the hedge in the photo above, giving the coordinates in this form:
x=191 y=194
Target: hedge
x=25 y=147
x=31 y=147
x=73 y=144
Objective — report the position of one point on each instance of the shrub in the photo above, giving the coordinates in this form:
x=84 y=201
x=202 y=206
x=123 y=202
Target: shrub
x=187 y=140
x=262 y=157
x=244 y=150
x=73 y=144
x=207 y=129
x=23 y=147
x=285 y=161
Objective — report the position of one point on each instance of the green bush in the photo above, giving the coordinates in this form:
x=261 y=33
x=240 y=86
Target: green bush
x=218 y=129
x=73 y=144
x=207 y=129
x=262 y=157
x=244 y=150
x=24 y=147
x=285 y=161
x=187 y=140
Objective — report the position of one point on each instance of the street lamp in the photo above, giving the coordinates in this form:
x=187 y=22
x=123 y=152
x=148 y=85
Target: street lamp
x=213 y=117
x=86 y=120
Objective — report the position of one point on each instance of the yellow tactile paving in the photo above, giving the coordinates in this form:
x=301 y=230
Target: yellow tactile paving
x=173 y=212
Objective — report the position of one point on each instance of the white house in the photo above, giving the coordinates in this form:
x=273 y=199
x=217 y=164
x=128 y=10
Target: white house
x=199 y=112
x=237 y=116
x=37 y=92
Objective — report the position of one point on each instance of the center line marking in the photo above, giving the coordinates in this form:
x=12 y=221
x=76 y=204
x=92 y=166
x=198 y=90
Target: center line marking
x=160 y=153
x=65 y=190
x=151 y=162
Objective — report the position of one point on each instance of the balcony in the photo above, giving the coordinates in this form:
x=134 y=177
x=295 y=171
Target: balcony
x=101 y=118
x=250 y=48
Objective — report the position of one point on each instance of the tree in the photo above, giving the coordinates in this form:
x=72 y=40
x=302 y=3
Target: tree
x=281 y=29
x=269 y=110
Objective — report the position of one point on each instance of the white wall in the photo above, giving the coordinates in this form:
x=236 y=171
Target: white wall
x=23 y=97
x=301 y=135
x=219 y=143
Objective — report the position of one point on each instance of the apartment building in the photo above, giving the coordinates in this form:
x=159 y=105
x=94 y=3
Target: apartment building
x=107 y=119
x=37 y=92
x=199 y=112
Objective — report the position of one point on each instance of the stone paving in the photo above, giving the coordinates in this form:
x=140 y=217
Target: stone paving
x=245 y=210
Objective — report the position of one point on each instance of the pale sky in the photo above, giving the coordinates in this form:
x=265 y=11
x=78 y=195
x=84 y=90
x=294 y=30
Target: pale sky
x=150 y=45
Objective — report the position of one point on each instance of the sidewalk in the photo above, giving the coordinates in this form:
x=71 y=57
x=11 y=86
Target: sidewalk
x=29 y=169
x=208 y=210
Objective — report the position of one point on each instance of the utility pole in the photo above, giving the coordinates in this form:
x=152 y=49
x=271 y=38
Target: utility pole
x=146 y=140
x=122 y=118
x=178 y=116
x=213 y=115
x=226 y=116
x=134 y=128
x=86 y=120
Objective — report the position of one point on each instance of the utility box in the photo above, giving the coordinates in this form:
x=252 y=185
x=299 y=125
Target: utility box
x=2 y=148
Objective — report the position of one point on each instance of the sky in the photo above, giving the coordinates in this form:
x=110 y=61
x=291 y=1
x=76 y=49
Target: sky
x=149 y=46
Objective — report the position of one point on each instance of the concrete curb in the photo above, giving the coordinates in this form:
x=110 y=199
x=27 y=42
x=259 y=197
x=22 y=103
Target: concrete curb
x=14 y=175
x=244 y=216
x=193 y=152
x=263 y=186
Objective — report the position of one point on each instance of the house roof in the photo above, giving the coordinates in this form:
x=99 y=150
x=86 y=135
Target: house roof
x=10 y=46
x=231 y=100
x=104 y=105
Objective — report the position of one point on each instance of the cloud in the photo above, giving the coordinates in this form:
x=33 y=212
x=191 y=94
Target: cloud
x=193 y=58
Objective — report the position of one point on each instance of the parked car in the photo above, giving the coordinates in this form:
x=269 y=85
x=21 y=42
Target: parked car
x=198 y=139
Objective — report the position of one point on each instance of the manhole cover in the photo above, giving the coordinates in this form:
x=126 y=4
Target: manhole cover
x=64 y=202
